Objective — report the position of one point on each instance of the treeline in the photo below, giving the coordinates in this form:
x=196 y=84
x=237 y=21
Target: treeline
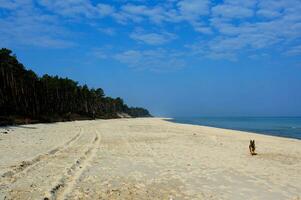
x=25 y=96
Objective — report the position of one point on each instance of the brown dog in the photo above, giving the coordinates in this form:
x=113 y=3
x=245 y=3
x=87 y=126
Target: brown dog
x=252 y=147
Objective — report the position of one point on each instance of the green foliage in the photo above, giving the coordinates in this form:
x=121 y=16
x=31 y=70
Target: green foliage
x=23 y=93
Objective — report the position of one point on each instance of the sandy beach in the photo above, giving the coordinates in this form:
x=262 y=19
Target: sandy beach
x=146 y=158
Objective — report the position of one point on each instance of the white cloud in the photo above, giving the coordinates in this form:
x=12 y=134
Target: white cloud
x=139 y=12
x=154 y=60
x=78 y=8
x=153 y=38
x=232 y=11
x=182 y=11
x=193 y=9
x=105 y=10
x=221 y=30
x=280 y=26
x=26 y=25
x=14 y=4
x=242 y=3
x=107 y=31
x=294 y=51
x=267 y=13
x=69 y=8
x=100 y=53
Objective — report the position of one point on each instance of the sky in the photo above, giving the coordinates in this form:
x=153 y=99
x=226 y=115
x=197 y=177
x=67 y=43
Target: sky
x=173 y=57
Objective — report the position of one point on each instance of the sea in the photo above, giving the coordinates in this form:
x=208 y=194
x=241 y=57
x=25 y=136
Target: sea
x=289 y=127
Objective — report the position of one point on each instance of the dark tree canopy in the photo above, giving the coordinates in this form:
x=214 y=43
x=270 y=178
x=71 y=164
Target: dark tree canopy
x=51 y=98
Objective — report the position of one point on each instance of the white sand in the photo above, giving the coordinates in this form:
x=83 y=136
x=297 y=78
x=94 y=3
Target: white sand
x=145 y=159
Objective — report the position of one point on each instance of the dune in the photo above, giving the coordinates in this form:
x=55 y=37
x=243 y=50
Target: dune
x=145 y=158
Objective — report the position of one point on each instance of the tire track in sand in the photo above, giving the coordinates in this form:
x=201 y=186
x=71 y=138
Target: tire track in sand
x=68 y=181
x=11 y=175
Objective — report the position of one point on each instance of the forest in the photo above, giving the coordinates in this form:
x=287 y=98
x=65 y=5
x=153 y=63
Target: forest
x=27 y=98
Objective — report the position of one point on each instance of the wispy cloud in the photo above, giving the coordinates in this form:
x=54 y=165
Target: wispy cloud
x=215 y=30
x=154 y=60
x=105 y=10
x=107 y=31
x=138 y=13
x=26 y=25
x=294 y=51
x=100 y=53
x=192 y=10
x=68 y=8
x=234 y=9
x=152 y=38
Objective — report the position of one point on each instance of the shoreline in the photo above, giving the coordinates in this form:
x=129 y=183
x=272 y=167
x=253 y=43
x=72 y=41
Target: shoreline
x=3 y=128
x=7 y=127
x=285 y=135
x=241 y=131
x=145 y=158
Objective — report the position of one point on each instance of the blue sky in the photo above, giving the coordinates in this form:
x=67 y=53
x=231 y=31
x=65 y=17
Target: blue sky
x=174 y=57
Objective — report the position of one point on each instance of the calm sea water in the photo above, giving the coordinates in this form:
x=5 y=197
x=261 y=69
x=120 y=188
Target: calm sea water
x=278 y=126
